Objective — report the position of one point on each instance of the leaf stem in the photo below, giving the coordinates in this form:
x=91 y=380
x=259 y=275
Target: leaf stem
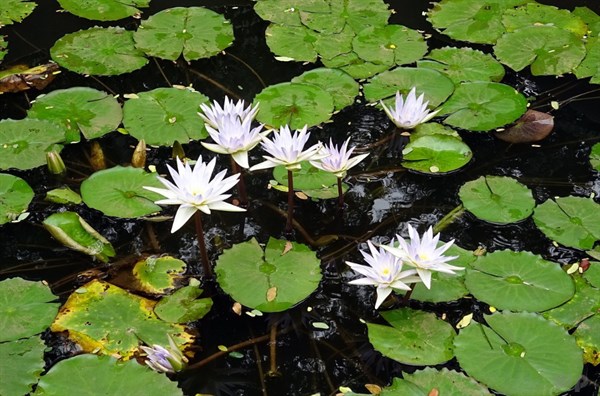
x=241 y=186
x=290 y=211
x=340 y=194
x=202 y=245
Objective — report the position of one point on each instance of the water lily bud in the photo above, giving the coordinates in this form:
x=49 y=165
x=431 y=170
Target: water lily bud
x=97 y=157
x=56 y=166
x=165 y=360
x=138 y=159
x=178 y=151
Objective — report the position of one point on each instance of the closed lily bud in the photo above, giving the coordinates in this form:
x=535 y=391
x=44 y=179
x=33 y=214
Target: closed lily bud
x=178 y=151
x=56 y=166
x=165 y=360
x=97 y=157
x=138 y=159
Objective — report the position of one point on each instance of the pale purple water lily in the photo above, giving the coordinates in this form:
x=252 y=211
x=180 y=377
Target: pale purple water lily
x=212 y=114
x=337 y=160
x=165 y=360
x=287 y=149
x=194 y=190
x=384 y=271
x=410 y=112
x=423 y=254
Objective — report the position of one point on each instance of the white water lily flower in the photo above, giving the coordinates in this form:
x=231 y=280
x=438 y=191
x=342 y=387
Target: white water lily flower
x=337 y=160
x=384 y=271
x=288 y=150
x=165 y=360
x=212 y=114
x=194 y=190
x=409 y=113
x=423 y=254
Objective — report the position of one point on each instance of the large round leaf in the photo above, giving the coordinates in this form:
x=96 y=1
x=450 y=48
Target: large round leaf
x=389 y=45
x=342 y=88
x=520 y=354
x=21 y=363
x=99 y=51
x=446 y=382
x=292 y=42
x=436 y=153
x=25 y=308
x=464 y=64
x=15 y=196
x=519 y=281
x=195 y=32
x=481 y=106
x=23 y=143
x=165 y=115
x=570 y=221
x=119 y=192
x=103 y=10
x=535 y=14
x=436 y=86
x=497 y=199
x=415 y=337
x=272 y=280
x=79 y=109
x=15 y=11
x=294 y=104
x=93 y=375
x=548 y=49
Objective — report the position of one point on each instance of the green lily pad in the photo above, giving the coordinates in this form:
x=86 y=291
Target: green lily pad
x=520 y=354
x=389 y=45
x=280 y=12
x=436 y=86
x=98 y=51
x=105 y=319
x=519 y=281
x=436 y=153
x=592 y=274
x=588 y=339
x=535 y=14
x=294 y=104
x=595 y=157
x=75 y=233
x=570 y=221
x=417 y=338
x=272 y=280
x=472 y=21
x=590 y=18
x=331 y=45
x=63 y=195
x=165 y=115
x=292 y=42
x=3 y=48
x=195 y=32
x=497 y=199
x=590 y=66
x=119 y=192
x=481 y=106
x=15 y=11
x=585 y=303
x=73 y=377
x=446 y=382
x=306 y=178
x=158 y=274
x=357 y=14
x=104 y=10
x=25 y=308
x=340 y=85
x=183 y=306
x=21 y=365
x=23 y=143
x=79 y=109
x=355 y=66
x=15 y=196
x=548 y=49
x=464 y=64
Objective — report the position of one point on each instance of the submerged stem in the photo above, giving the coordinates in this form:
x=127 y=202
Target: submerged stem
x=241 y=186
x=340 y=193
x=273 y=351
x=290 y=212
x=202 y=244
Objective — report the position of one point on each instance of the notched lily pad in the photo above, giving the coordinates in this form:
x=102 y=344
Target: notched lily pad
x=588 y=338
x=292 y=42
x=104 y=10
x=21 y=365
x=342 y=88
x=158 y=274
x=306 y=178
x=590 y=66
x=15 y=11
x=183 y=305
x=389 y=45
x=584 y=304
x=446 y=382
x=464 y=64
x=535 y=14
x=435 y=154
x=15 y=197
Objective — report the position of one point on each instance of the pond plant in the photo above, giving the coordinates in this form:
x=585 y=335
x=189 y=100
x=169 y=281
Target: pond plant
x=458 y=120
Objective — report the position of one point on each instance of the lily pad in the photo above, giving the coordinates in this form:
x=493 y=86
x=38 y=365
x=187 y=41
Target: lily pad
x=588 y=338
x=535 y=14
x=519 y=281
x=520 y=354
x=436 y=86
x=592 y=274
x=481 y=106
x=331 y=45
x=21 y=365
x=497 y=199
x=389 y=45
x=292 y=42
x=446 y=382
x=104 y=10
x=23 y=143
x=436 y=153
x=584 y=304
x=355 y=66
x=105 y=319
x=195 y=32
x=3 y=47
x=590 y=66
x=294 y=104
x=75 y=233
x=306 y=178
x=280 y=12
x=340 y=85
x=570 y=221
x=165 y=115
x=73 y=377
x=415 y=337
x=63 y=195
x=98 y=51
x=158 y=274
x=25 y=308
x=79 y=109
x=119 y=192
x=595 y=157
x=15 y=196
x=15 y=11
x=591 y=18
x=272 y=280
x=464 y=64
x=548 y=49
x=183 y=306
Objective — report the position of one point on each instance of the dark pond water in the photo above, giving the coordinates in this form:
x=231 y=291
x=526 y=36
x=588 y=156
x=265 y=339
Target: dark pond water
x=382 y=198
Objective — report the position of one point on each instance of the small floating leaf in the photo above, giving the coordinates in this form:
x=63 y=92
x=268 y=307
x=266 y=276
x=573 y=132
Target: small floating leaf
x=306 y=178
x=15 y=11
x=464 y=64
x=389 y=45
x=158 y=274
x=21 y=365
x=590 y=66
x=342 y=88
x=104 y=10
x=436 y=153
x=15 y=196
x=533 y=126
x=295 y=42
x=183 y=306
x=535 y=14
x=63 y=195
x=446 y=382
x=590 y=18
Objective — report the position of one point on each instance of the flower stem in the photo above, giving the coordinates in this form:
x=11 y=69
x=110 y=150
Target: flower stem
x=340 y=193
x=450 y=218
x=202 y=244
x=408 y=294
x=290 y=212
x=241 y=186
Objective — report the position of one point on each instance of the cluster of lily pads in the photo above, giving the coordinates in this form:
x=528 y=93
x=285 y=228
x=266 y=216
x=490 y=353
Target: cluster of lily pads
x=549 y=323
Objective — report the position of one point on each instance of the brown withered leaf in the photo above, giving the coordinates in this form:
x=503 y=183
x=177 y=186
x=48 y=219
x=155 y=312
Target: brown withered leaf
x=237 y=308
x=434 y=392
x=288 y=246
x=271 y=294
x=21 y=78
x=374 y=389
x=533 y=126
